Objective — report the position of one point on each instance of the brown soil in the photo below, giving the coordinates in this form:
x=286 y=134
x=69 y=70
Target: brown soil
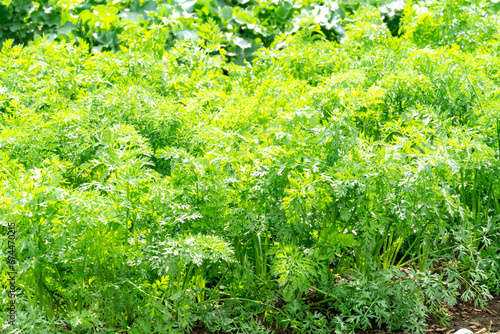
x=463 y=315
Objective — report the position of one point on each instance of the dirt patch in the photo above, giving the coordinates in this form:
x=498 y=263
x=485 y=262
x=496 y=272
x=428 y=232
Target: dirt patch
x=465 y=315
x=199 y=331
x=462 y=315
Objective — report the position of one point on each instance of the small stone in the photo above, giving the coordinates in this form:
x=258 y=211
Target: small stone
x=463 y=331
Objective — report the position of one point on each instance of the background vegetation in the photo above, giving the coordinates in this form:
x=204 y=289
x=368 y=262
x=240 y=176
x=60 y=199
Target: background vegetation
x=320 y=166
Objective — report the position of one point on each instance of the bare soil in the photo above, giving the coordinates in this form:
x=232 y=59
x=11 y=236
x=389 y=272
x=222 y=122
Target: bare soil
x=463 y=315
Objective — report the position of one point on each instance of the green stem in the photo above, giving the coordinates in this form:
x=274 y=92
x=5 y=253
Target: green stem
x=442 y=249
x=498 y=135
x=413 y=244
x=188 y=276
x=327 y=294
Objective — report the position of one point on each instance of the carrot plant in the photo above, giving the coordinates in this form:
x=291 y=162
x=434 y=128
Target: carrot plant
x=295 y=164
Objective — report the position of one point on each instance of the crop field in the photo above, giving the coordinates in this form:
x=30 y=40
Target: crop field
x=249 y=166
